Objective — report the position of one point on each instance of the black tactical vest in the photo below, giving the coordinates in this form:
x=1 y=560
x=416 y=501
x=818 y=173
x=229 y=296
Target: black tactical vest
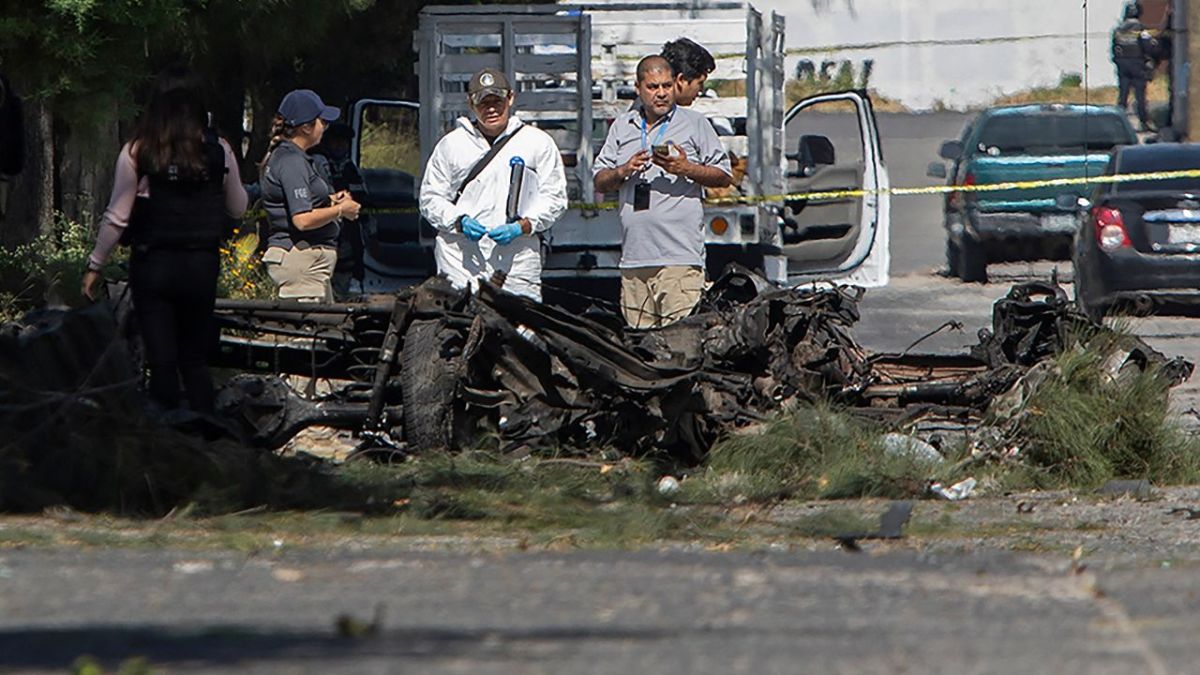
x=1127 y=44
x=186 y=208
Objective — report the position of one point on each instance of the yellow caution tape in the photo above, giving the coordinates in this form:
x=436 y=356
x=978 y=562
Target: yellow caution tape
x=944 y=189
x=845 y=194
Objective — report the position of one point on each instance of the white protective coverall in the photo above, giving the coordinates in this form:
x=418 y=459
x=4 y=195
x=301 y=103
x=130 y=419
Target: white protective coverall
x=464 y=261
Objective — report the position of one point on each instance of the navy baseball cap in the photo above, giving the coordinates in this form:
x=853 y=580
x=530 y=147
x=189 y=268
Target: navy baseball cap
x=302 y=106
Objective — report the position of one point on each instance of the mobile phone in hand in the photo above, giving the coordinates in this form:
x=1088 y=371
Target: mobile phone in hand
x=662 y=150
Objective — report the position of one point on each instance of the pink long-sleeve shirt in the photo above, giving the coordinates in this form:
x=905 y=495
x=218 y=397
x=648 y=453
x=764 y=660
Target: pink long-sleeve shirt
x=127 y=187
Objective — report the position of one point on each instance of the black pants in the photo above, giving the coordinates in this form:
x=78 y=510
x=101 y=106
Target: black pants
x=1133 y=78
x=173 y=296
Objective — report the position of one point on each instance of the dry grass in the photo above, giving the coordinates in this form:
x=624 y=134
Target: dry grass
x=1069 y=91
x=797 y=90
x=1083 y=427
x=391 y=143
x=810 y=453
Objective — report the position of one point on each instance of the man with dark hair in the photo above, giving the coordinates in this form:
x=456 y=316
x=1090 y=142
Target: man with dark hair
x=659 y=157
x=691 y=65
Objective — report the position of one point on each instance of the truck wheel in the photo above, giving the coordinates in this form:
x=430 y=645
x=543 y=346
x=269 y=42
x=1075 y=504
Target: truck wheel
x=1092 y=309
x=972 y=266
x=953 y=258
x=428 y=379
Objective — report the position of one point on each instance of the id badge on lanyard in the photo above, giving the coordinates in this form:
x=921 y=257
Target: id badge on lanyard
x=641 y=189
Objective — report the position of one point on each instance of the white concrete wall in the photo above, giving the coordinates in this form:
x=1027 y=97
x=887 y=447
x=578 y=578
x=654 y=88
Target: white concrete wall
x=922 y=74
x=957 y=75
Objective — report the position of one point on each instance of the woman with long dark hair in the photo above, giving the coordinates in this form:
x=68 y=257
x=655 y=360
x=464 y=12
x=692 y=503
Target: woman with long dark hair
x=304 y=214
x=176 y=188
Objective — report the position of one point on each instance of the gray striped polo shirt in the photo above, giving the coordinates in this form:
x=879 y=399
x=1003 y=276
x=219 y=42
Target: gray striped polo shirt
x=671 y=231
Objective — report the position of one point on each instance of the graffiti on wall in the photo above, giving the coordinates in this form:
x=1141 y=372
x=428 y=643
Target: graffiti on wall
x=836 y=74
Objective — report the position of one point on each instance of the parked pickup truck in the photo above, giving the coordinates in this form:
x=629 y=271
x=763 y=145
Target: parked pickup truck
x=572 y=65
x=1015 y=144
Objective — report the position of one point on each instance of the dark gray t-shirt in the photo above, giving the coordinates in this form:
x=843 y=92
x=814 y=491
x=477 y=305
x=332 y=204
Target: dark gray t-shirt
x=671 y=231
x=291 y=185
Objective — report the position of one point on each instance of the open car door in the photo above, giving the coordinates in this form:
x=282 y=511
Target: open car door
x=395 y=248
x=833 y=146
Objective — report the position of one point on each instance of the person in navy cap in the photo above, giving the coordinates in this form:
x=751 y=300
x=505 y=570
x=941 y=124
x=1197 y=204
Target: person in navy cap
x=304 y=214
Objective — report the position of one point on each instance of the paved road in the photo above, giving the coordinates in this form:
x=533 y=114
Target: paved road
x=910 y=143
x=648 y=612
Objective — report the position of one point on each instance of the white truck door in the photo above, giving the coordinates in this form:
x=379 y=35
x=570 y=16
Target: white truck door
x=832 y=146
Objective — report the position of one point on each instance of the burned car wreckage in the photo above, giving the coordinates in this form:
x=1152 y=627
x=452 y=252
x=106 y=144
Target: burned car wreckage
x=433 y=367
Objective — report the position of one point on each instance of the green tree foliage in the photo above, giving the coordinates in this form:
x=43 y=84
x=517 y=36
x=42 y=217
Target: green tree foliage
x=90 y=59
x=85 y=57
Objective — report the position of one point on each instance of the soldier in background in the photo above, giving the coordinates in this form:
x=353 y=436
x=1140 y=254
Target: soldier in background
x=1131 y=47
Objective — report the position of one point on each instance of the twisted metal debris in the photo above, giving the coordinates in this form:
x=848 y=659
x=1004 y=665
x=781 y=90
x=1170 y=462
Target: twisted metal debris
x=451 y=367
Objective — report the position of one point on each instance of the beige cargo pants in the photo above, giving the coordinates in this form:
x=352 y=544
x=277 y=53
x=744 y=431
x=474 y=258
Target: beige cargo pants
x=302 y=274
x=653 y=297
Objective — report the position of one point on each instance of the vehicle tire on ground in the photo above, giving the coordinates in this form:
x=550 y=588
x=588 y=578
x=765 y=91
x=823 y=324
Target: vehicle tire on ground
x=953 y=258
x=972 y=265
x=428 y=381
x=1092 y=309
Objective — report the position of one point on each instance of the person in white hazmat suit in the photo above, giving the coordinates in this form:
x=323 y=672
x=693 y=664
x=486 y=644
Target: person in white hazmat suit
x=465 y=192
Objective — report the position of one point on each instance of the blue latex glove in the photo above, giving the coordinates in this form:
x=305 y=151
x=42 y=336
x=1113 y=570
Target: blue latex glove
x=505 y=233
x=473 y=228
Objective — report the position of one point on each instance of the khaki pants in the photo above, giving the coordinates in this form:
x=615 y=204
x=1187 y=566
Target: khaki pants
x=302 y=274
x=653 y=297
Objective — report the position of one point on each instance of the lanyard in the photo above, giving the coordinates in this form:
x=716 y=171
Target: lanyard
x=661 y=130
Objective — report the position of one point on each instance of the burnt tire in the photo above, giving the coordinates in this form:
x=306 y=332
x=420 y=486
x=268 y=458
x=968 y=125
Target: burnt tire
x=428 y=382
x=972 y=261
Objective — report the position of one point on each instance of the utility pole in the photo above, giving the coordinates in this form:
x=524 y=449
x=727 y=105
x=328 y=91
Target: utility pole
x=1187 y=77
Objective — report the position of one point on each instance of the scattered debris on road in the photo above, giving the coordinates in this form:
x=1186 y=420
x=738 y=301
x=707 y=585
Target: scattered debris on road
x=957 y=492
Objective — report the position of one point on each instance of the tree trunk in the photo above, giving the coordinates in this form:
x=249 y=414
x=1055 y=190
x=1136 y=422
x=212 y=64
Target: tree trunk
x=86 y=168
x=263 y=104
x=31 y=195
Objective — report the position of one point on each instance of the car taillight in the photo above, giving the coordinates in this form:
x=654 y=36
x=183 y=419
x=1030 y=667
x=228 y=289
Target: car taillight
x=719 y=226
x=1110 y=228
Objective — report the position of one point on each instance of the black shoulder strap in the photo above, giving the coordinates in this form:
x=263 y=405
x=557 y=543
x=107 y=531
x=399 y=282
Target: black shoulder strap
x=484 y=161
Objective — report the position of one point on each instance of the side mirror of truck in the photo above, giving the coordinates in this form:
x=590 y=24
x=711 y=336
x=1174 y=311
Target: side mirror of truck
x=936 y=170
x=816 y=151
x=951 y=150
